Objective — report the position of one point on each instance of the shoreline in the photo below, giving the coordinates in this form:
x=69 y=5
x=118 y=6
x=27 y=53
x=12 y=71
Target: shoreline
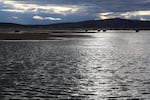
x=54 y=35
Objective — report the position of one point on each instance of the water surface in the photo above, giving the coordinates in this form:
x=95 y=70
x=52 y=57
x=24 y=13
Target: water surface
x=107 y=66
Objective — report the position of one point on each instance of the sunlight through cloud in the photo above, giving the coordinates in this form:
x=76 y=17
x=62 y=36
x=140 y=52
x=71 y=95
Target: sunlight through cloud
x=135 y=13
x=126 y=15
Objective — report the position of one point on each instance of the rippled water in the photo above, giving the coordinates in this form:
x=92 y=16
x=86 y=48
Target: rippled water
x=106 y=66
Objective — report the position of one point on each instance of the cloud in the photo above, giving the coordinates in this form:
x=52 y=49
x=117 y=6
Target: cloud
x=135 y=14
x=127 y=15
x=14 y=17
x=107 y=15
x=52 y=18
x=38 y=17
x=142 y=19
x=24 y=7
x=71 y=10
x=13 y=10
x=45 y=18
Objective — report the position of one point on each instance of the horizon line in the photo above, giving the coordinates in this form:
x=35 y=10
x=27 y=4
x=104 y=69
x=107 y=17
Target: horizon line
x=74 y=21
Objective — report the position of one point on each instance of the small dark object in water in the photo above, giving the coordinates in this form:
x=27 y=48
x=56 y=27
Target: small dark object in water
x=137 y=30
x=104 y=30
x=16 y=31
x=98 y=30
x=86 y=30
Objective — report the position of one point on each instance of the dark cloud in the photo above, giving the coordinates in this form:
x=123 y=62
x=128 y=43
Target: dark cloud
x=102 y=5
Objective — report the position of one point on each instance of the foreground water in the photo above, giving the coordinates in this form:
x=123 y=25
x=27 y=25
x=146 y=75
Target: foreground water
x=106 y=66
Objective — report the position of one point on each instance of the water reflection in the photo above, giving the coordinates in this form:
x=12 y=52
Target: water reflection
x=111 y=66
x=36 y=71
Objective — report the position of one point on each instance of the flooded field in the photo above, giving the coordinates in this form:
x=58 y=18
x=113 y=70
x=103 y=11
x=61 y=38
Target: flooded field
x=112 y=65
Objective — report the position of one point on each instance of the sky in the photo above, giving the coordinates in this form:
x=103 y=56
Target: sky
x=58 y=11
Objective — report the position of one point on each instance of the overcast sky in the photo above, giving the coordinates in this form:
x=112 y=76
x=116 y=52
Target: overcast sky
x=57 y=11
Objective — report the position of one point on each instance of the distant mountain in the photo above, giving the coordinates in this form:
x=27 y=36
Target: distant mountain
x=115 y=23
